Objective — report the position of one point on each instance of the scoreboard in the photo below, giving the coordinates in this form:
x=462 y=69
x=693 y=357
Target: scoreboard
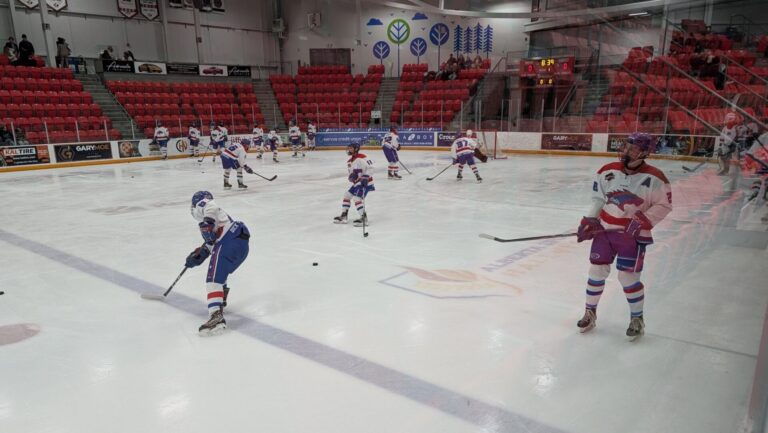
x=546 y=69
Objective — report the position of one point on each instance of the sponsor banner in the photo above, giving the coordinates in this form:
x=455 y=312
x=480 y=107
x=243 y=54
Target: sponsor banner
x=131 y=149
x=615 y=141
x=213 y=70
x=83 y=152
x=127 y=8
x=373 y=138
x=24 y=155
x=582 y=142
x=154 y=68
x=182 y=69
x=239 y=71
x=446 y=138
x=117 y=66
x=149 y=9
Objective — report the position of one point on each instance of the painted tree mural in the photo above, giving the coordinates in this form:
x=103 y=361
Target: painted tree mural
x=458 y=38
x=468 y=45
x=488 y=41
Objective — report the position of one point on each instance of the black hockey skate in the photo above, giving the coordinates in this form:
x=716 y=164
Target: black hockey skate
x=241 y=185
x=459 y=176
x=227 y=185
x=636 y=328
x=226 y=294
x=363 y=219
x=394 y=176
x=341 y=219
x=588 y=322
x=275 y=160
x=258 y=156
x=215 y=324
x=479 y=179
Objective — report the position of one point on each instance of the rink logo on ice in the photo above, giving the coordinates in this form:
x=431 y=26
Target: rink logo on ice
x=450 y=283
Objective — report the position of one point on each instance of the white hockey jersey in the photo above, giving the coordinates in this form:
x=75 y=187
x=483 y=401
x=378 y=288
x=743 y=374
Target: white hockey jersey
x=217 y=136
x=617 y=196
x=311 y=129
x=274 y=137
x=209 y=209
x=294 y=133
x=726 y=139
x=258 y=136
x=360 y=167
x=463 y=146
x=391 y=141
x=161 y=133
x=193 y=134
x=235 y=151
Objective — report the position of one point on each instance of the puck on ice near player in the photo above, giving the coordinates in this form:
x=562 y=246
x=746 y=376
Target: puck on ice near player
x=2 y=293
x=314 y=264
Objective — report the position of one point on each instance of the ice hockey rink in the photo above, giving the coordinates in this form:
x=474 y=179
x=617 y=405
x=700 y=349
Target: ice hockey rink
x=421 y=327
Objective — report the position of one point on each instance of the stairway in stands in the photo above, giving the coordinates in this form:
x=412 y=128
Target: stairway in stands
x=385 y=100
x=109 y=106
x=273 y=117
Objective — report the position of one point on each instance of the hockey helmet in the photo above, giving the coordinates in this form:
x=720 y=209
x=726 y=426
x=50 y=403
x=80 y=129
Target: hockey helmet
x=642 y=140
x=353 y=148
x=199 y=196
x=246 y=143
x=637 y=147
x=393 y=129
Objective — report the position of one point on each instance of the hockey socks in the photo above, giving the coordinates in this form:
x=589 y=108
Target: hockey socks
x=634 y=291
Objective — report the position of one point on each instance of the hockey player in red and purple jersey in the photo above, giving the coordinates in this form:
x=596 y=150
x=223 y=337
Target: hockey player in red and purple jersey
x=629 y=198
x=360 y=175
x=463 y=151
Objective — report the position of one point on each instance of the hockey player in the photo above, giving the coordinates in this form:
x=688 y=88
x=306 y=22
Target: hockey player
x=258 y=140
x=311 y=133
x=274 y=142
x=463 y=149
x=726 y=144
x=360 y=169
x=294 y=135
x=226 y=242
x=233 y=157
x=194 y=138
x=390 y=143
x=629 y=198
x=161 y=137
x=218 y=138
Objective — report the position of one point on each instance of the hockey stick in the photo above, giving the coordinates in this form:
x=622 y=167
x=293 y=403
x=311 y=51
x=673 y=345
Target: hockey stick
x=365 y=233
x=153 y=297
x=205 y=153
x=270 y=179
x=698 y=166
x=404 y=167
x=441 y=172
x=535 y=238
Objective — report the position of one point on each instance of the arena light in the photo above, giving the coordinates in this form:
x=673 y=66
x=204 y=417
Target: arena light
x=638 y=14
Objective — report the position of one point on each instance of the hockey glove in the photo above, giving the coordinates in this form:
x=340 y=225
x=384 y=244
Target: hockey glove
x=364 y=181
x=197 y=257
x=587 y=229
x=248 y=169
x=638 y=223
x=353 y=177
x=208 y=230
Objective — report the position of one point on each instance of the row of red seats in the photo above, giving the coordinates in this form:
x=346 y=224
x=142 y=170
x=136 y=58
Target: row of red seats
x=33 y=72
x=149 y=109
x=329 y=88
x=40 y=97
x=418 y=116
x=73 y=137
x=412 y=76
x=336 y=97
x=53 y=110
x=327 y=107
x=472 y=74
x=411 y=86
x=323 y=70
x=428 y=105
x=376 y=69
x=462 y=94
x=166 y=87
x=419 y=67
x=451 y=84
x=19 y=83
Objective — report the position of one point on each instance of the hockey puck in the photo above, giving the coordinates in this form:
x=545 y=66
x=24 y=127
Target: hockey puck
x=314 y=264
x=365 y=235
x=2 y=293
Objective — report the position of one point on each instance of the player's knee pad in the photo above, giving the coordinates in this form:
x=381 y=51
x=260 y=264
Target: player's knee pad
x=599 y=272
x=627 y=279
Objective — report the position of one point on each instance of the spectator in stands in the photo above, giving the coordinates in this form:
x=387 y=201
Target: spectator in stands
x=107 y=53
x=62 y=53
x=478 y=62
x=21 y=138
x=26 y=49
x=451 y=61
x=720 y=78
x=697 y=61
x=128 y=54
x=11 y=50
x=6 y=138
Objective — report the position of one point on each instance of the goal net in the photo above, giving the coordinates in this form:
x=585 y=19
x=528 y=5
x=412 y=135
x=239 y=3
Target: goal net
x=486 y=140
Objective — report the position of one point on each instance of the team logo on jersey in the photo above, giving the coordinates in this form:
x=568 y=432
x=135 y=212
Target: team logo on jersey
x=622 y=198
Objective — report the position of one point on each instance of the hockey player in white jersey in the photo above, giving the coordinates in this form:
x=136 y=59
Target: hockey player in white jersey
x=226 y=243
x=726 y=144
x=361 y=176
x=258 y=140
x=294 y=135
x=390 y=144
x=161 y=137
x=233 y=157
x=193 y=135
x=463 y=151
x=311 y=133
x=218 y=138
x=274 y=142
x=629 y=198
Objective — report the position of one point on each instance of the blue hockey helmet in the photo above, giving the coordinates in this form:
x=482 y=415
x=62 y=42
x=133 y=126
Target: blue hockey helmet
x=199 y=196
x=353 y=148
x=644 y=141
x=246 y=143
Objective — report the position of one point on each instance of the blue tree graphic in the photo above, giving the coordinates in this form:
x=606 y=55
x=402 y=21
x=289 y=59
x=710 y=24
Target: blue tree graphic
x=439 y=35
x=458 y=37
x=488 y=41
x=479 y=39
x=468 y=45
x=418 y=48
x=381 y=51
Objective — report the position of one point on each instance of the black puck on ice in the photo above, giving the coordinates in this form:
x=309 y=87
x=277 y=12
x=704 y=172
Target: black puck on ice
x=2 y=293
x=314 y=264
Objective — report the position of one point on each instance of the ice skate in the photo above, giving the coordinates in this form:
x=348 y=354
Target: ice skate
x=636 y=328
x=227 y=185
x=479 y=179
x=258 y=156
x=359 y=222
x=588 y=322
x=226 y=294
x=341 y=219
x=215 y=324
x=241 y=185
x=459 y=176
x=275 y=160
